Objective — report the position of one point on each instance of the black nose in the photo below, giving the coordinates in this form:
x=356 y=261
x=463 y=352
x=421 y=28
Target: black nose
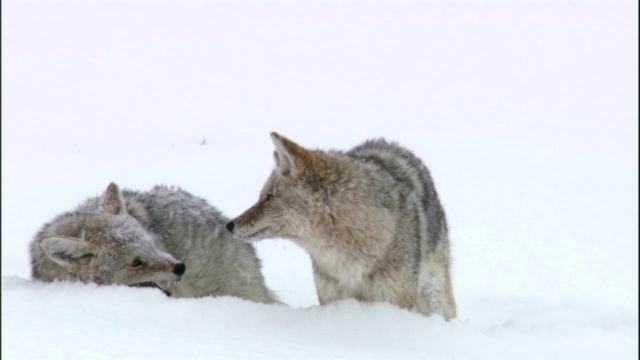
x=179 y=269
x=231 y=226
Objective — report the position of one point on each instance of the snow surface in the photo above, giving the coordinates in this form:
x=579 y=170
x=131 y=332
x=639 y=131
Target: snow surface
x=525 y=113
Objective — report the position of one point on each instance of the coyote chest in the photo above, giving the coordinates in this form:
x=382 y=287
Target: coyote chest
x=347 y=271
x=346 y=256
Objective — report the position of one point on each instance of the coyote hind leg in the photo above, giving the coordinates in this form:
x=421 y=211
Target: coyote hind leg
x=435 y=293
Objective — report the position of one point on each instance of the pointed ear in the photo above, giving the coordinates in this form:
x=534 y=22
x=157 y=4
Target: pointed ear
x=285 y=154
x=112 y=201
x=296 y=161
x=67 y=251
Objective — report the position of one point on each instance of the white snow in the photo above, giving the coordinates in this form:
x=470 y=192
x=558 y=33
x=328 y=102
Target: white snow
x=525 y=113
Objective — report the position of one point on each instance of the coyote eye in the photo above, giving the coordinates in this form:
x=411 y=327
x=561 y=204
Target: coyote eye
x=137 y=263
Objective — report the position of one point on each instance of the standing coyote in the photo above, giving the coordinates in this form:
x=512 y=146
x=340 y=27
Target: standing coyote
x=134 y=238
x=369 y=218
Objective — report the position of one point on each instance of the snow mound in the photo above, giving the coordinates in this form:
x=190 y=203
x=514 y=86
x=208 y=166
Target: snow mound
x=73 y=320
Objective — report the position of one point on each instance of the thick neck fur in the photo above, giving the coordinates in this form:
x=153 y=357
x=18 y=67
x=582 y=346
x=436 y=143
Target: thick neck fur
x=341 y=234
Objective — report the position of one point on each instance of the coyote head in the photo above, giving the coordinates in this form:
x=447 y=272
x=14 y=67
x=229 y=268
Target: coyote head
x=291 y=201
x=109 y=247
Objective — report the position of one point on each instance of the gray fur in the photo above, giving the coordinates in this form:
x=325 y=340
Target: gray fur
x=102 y=238
x=370 y=218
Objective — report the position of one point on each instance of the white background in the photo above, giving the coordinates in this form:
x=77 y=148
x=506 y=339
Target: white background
x=526 y=113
